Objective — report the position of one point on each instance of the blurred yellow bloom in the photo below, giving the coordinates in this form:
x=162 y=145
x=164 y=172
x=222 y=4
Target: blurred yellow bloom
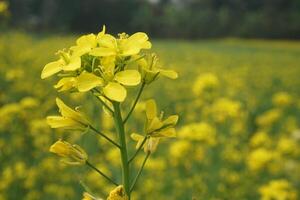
x=202 y=132
x=87 y=196
x=260 y=139
x=69 y=119
x=117 y=194
x=224 y=108
x=268 y=118
x=72 y=154
x=259 y=158
x=3 y=6
x=205 y=83
x=278 y=190
x=282 y=99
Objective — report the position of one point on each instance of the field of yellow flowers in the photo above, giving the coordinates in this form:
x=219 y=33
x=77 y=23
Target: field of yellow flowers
x=238 y=136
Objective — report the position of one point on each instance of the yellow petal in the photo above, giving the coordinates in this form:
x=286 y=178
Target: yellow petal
x=102 y=51
x=128 y=77
x=87 y=40
x=108 y=41
x=151 y=111
x=134 y=44
x=154 y=124
x=169 y=73
x=51 y=68
x=65 y=84
x=138 y=138
x=115 y=91
x=168 y=132
x=68 y=112
x=62 y=122
x=172 y=120
x=87 y=81
x=75 y=63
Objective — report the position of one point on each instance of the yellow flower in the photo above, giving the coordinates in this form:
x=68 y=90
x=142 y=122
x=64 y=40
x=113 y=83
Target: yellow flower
x=67 y=62
x=117 y=194
x=151 y=70
x=3 y=6
x=69 y=118
x=259 y=158
x=87 y=196
x=115 y=90
x=84 y=82
x=282 y=99
x=72 y=154
x=206 y=83
x=108 y=45
x=156 y=128
x=201 y=132
x=269 y=117
x=150 y=144
x=278 y=190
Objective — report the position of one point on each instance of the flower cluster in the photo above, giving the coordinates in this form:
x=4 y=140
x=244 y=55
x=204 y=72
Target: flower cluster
x=105 y=66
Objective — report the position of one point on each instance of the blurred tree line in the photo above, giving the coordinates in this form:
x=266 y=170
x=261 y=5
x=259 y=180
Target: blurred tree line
x=162 y=18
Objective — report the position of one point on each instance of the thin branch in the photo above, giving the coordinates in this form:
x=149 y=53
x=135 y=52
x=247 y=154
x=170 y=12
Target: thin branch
x=101 y=173
x=103 y=135
x=140 y=171
x=135 y=102
x=138 y=150
x=102 y=102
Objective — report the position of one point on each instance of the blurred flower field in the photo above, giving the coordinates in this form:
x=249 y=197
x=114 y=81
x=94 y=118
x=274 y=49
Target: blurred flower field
x=238 y=134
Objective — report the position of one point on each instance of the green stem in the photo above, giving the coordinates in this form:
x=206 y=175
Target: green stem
x=135 y=102
x=123 y=150
x=106 y=137
x=138 y=150
x=140 y=171
x=101 y=173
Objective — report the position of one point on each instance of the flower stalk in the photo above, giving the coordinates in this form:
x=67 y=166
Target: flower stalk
x=123 y=150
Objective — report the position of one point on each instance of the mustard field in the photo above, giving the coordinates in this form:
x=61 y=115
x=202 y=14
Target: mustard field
x=238 y=134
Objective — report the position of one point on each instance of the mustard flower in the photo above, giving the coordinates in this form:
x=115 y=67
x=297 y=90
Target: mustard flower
x=151 y=69
x=84 y=82
x=72 y=154
x=69 y=119
x=67 y=62
x=155 y=129
x=117 y=193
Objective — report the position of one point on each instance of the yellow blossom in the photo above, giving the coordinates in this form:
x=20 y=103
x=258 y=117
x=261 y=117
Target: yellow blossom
x=278 y=190
x=117 y=193
x=151 y=70
x=67 y=62
x=69 y=119
x=72 y=154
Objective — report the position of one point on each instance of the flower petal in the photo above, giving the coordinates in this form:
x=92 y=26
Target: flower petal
x=52 y=68
x=75 y=63
x=115 y=91
x=87 y=81
x=103 y=51
x=172 y=120
x=169 y=73
x=128 y=77
x=151 y=111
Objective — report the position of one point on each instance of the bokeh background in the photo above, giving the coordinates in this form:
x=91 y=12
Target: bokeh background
x=237 y=97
